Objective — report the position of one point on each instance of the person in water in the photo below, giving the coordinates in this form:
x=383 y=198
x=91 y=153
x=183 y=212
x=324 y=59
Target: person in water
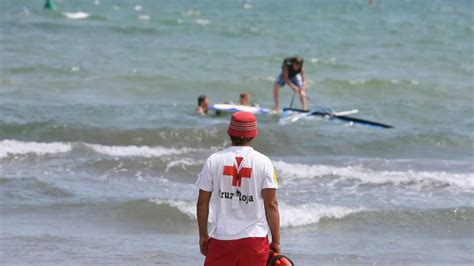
x=203 y=105
x=292 y=74
x=244 y=99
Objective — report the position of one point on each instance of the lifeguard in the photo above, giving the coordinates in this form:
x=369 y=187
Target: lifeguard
x=240 y=185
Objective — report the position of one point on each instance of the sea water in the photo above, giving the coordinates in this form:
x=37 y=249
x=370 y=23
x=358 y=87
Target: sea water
x=99 y=146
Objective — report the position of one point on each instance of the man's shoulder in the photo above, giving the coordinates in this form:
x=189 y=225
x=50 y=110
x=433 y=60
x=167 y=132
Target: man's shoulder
x=218 y=154
x=260 y=156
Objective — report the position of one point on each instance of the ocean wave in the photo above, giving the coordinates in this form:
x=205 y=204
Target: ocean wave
x=312 y=213
x=416 y=88
x=437 y=140
x=454 y=218
x=191 y=12
x=30 y=189
x=376 y=177
x=202 y=22
x=134 y=30
x=76 y=15
x=240 y=31
x=291 y=216
x=183 y=164
x=156 y=210
x=13 y=147
x=185 y=207
x=56 y=131
x=137 y=151
x=45 y=70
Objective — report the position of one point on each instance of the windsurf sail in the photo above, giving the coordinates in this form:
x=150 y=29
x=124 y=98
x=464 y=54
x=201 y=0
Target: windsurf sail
x=293 y=114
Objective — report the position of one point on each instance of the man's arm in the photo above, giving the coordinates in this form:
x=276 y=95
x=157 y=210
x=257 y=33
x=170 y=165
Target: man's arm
x=287 y=79
x=305 y=84
x=202 y=216
x=273 y=216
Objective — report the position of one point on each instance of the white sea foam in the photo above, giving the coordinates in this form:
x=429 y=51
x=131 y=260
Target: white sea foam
x=137 y=151
x=76 y=15
x=311 y=213
x=291 y=216
x=144 y=17
x=191 y=12
x=186 y=207
x=183 y=163
x=369 y=176
x=356 y=82
x=75 y=69
x=14 y=147
x=202 y=22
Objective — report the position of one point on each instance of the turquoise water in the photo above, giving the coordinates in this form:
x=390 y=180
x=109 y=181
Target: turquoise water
x=99 y=145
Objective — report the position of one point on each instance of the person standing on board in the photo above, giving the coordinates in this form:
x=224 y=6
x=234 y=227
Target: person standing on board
x=203 y=105
x=292 y=74
x=239 y=184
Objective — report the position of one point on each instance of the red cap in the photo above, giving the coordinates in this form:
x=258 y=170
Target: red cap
x=243 y=124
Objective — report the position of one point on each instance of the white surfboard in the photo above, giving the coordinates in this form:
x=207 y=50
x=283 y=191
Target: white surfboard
x=232 y=108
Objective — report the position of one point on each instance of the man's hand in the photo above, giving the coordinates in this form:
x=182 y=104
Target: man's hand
x=202 y=216
x=295 y=88
x=203 y=244
x=275 y=247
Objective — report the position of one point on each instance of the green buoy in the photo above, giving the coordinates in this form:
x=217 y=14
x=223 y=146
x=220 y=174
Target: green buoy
x=50 y=5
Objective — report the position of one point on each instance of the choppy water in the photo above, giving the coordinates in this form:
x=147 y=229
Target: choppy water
x=99 y=147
